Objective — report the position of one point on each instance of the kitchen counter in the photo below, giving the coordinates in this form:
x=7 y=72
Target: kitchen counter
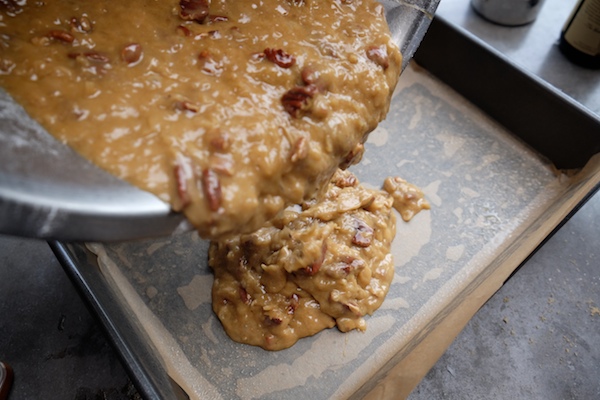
x=538 y=337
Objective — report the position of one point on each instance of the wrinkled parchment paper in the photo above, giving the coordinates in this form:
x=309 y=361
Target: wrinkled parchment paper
x=488 y=193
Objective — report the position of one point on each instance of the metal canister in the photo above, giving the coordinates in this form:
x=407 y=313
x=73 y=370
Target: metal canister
x=508 y=12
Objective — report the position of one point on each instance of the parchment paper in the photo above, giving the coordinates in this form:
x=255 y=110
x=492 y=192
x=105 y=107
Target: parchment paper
x=486 y=190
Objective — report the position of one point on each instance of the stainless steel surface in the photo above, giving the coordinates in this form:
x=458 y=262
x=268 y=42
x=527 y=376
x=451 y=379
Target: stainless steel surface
x=48 y=191
x=408 y=21
x=508 y=12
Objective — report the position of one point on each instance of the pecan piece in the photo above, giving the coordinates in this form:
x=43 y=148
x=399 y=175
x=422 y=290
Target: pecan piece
x=269 y=340
x=269 y=321
x=222 y=163
x=361 y=240
x=379 y=55
x=61 y=35
x=132 y=53
x=280 y=57
x=193 y=10
x=6 y=66
x=96 y=57
x=215 y=34
x=312 y=269
x=185 y=105
x=10 y=6
x=363 y=235
x=314 y=77
x=299 y=150
x=182 y=103
x=309 y=75
x=217 y=18
x=345 y=180
x=93 y=56
x=316 y=266
x=354 y=156
x=353 y=308
x=219 y=141
x=183 y=30
x=244 y=296
x=212 y=189
x=294 y=303
x=183 y=174
x=257 y=57
x=209 y=65
x=81 y=25
x=353 y=264
x=298 y=99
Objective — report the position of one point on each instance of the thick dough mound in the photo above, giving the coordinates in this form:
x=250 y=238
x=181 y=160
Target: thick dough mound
x=317 y=265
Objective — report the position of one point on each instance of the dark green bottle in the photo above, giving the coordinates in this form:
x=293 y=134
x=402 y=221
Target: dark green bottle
x=580 y=37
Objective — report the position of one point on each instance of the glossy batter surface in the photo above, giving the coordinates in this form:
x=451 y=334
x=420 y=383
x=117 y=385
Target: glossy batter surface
x=229 y=110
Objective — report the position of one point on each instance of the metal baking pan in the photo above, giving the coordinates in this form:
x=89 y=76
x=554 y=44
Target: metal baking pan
x=489 y=168
x=548 y=120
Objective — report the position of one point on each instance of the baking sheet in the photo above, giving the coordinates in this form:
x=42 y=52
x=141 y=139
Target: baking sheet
x=493 y=200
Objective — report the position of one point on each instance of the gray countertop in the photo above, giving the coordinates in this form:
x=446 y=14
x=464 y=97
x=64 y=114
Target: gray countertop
x=538 y=337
